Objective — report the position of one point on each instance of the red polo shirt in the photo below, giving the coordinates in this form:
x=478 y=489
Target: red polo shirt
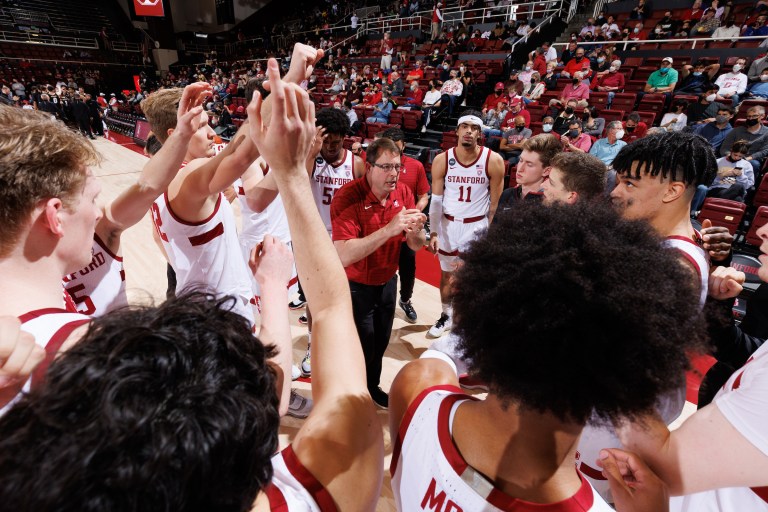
x=356 y=213
x=414 y=176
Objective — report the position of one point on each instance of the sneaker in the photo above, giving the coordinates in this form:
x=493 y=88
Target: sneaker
x=410 y=313
x=299 y=407
x=306 y=365
x=444 y=323
x=380 y=398
x=295 y=372
x=468 y=382
x=297 y=304
x=303 y=320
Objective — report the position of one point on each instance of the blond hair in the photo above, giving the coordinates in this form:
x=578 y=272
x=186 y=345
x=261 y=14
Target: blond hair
x=160 y=108
x=39 y=159
x=545 y=145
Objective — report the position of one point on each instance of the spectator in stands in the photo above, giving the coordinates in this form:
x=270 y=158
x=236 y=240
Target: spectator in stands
x=675 y=120
x=576 y=64
x=758 y=28
x=569 y=53
x=754 y=133
x=600 y=63
x=451 y=91
x=716 y=131
x=717 y=9
x=728 y=31
x=662 y=81
x=467 y=83
x=6 y=96
x=666 y=27
x=610 y=81
x=417 y=73
x=704 y=110
x=610 y=29
x=539 y=60
x=638 y=33
x=525 y=74
x=565 y=117
x=550 y=78
x=733 y=84
x=591 y=123
x=354 y=95
x=589 y=26
x=697 y=77
x=513 y=85
x=634 y=128
x=437 y=19
x=756 y=69
x=576 y=90
x=695 y=12
x=381 y=110
x=685 y=30
x=397 y=87
x=734 y=174
x=547 y=123
x=515 y=107
x=641 y=11
x=372 y=96
x=534 y=90
x=759 y=89
x=608 y=147
x=574 y=139
x=417 y=97
x=550 y=54
x=492 y=120
x=493 y=99
x=706 y=25
x=432 y=101
x=512 y=140
x=354 y=122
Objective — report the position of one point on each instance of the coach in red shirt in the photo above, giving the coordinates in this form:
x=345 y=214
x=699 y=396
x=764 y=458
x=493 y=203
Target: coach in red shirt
x=414 y=177
x=371 y=216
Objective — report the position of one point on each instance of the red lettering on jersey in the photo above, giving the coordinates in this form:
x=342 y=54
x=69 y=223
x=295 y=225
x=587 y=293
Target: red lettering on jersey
x=762 y=492
x=158 y=222
x=96 y=262
x=206 y=237
x=436 y=502
x=84 y=302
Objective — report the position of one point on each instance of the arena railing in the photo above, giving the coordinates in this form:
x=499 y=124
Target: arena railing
x=48 y=40
x=700 y=41
x=122 y=46
x=549 y=19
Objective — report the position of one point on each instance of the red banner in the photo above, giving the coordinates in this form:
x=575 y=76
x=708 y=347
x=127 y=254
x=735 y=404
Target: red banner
x=148 y=7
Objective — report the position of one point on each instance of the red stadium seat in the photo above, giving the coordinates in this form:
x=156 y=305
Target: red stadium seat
x=396 y=117
x=759 y=220
x=647 y=118
x=723 y=212
x=612 y=115
x=761 y=194
x=411 y=119
x=598 y=100
x=624 y=101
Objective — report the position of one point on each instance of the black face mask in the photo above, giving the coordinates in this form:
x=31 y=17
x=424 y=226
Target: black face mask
x=579 y=57
x=520 y=128
x=630 y=129
x=585 y=116
x=576 y=81
x=752 y=122
x=569 y=110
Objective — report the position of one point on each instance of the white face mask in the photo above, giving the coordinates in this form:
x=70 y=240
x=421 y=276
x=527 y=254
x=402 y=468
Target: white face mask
x=547 y=128
x=711 y=98
x=527 y=68
x=462 y=69
x=736 y=68
x=637 y=30
x=764 y=78
x=619 y=134
x=613 y=69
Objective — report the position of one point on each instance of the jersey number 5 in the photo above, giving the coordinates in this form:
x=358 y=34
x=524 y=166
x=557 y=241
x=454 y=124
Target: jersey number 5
x=468 y=199
x=84 y=303
x=327 y=195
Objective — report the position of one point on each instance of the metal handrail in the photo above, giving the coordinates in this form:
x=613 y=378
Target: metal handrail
x=48 y=40
x=537 y=29
x=122 y=46
x=694 y=40
x=81 y=62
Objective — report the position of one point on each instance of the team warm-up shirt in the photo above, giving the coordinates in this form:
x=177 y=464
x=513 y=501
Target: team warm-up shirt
x=744 y=403
x=294 y=488
x=429 y=473
x=413 y=176
x=326 y=180
x=99 y=287
x=467 y=187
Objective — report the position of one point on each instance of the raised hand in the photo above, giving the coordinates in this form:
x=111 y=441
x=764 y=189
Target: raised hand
x=717 y=240
x=303 y=62
x=271 y=259
x=190 y=108
x=634 y=487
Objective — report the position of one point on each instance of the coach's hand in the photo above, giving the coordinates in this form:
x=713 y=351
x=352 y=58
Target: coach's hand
x=19 y=355
x=717 y=240
x=286 y=142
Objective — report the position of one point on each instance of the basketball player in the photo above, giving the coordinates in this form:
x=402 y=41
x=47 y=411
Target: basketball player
x=19 y=355
x=517 y=448
x=100 y=287
x=466 y=184
x=574 y=177
x=206 y=431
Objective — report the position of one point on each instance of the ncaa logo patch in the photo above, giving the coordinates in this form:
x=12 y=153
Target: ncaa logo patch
x=451 y=162
x=319 y=160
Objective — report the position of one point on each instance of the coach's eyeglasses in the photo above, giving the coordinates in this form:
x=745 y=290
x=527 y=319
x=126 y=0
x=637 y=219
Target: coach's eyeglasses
x=389 y=167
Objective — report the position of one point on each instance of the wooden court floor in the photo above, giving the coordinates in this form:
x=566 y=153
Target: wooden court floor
x=146 y=283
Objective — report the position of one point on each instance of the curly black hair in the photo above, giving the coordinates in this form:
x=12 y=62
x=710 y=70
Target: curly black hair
x=156 y=409
x=570 y=309
x=675 y=155
x=333 y=120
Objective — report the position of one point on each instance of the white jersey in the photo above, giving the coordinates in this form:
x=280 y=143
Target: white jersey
x=691 y=250
x=100 y=287
x=272 y=221
x=50 y=327
x=204 y=254
x=429 y=473
x=326 y=180
x=294 y=488
x=467 y=188
x=744 y=403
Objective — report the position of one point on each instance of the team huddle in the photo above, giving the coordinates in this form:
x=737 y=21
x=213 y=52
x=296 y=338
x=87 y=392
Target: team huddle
x=575 y=311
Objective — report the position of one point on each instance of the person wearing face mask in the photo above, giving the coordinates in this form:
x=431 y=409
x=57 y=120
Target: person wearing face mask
x=451 y=92
x=707 y=24
x=704 y=110
x=634 y=128
x=550 y=78
x=565 y=118
x=759 y=89
x=675 y=120
x=430 y=104
x=697 y=77
x=716 y=131
x=728 y=31
x=733 y=84
x=515 y=110
x=608 y=147
x=734 y=175
x=641 y=11
x=576 y=90
x=756 y=69
x=754 y=133
x=525 y=74
x=534 y=90
x=610 y=81
x=591 y=124
x=547 y=123
x=638 y=33
x=512 y=140
x=492 y=120
x=416 y=97
x=662 y=81
x=465 y=76
x=610 y=28
x=601 y=63
x=569 y=53
x=579 y=63
x=574 y=139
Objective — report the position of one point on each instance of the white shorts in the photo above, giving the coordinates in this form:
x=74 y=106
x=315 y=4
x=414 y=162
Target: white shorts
x=454 y=237
x=246 y=246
